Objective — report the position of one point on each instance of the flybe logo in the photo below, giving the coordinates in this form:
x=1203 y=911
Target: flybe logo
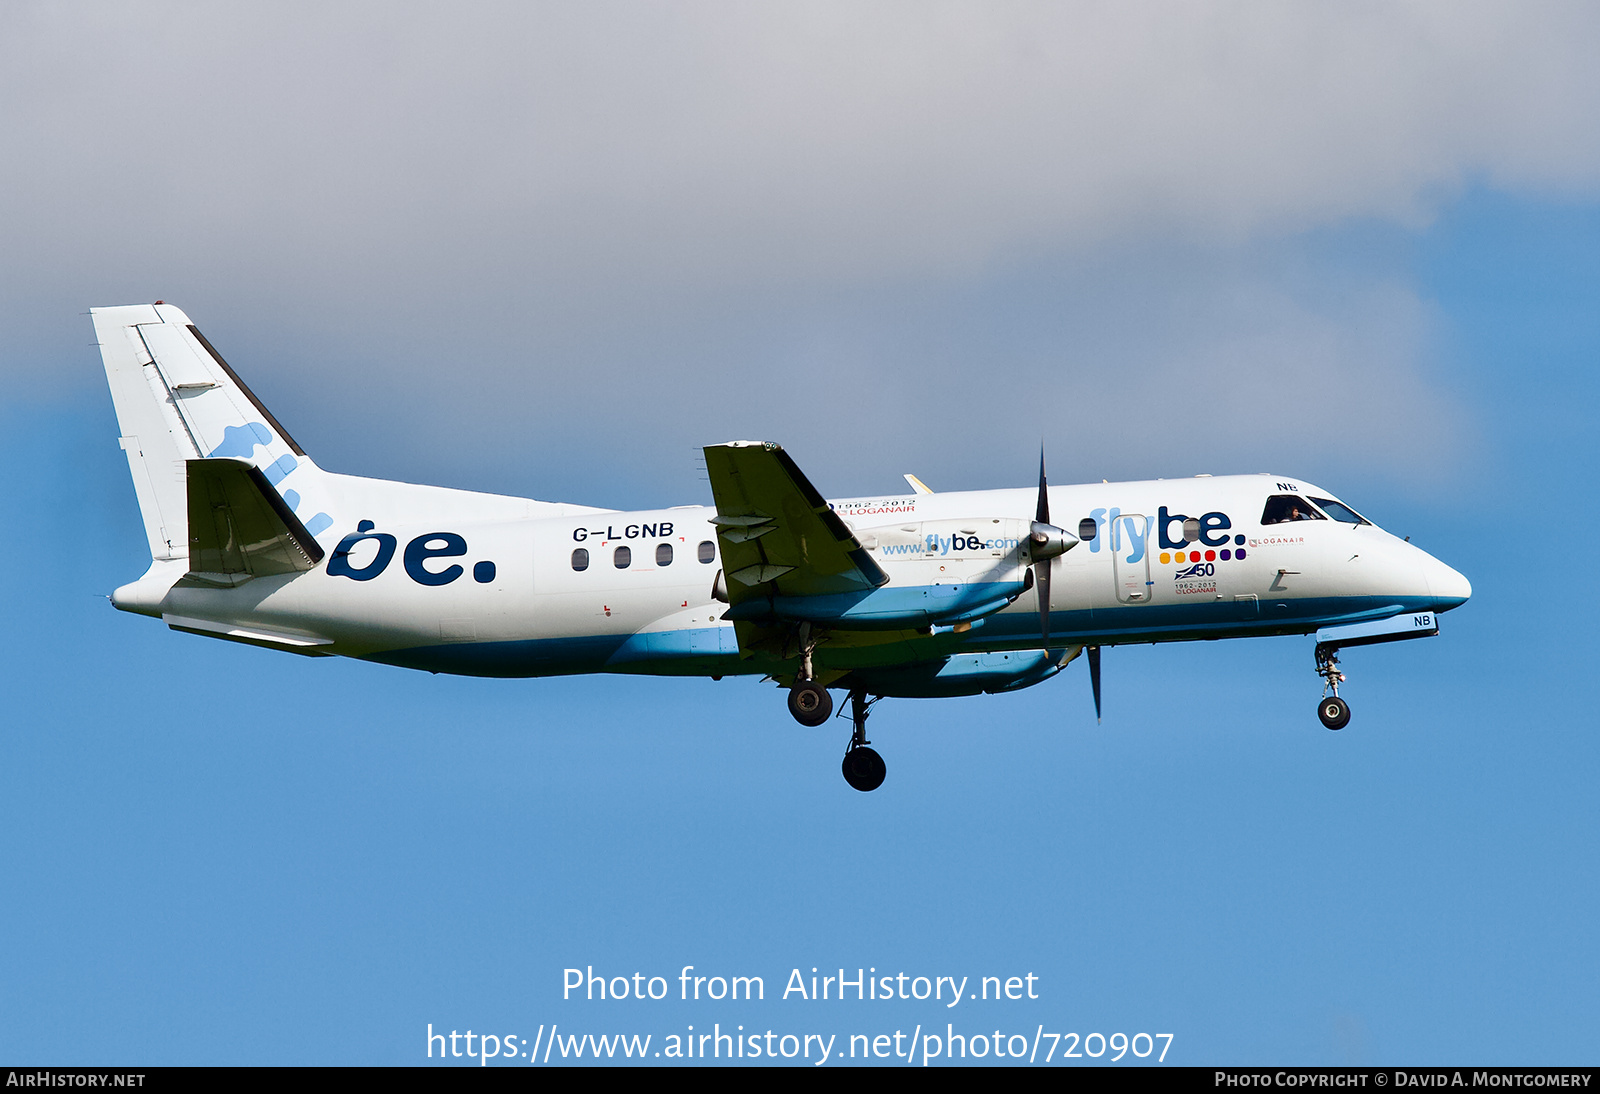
x=1132 y=533
x=419 y=558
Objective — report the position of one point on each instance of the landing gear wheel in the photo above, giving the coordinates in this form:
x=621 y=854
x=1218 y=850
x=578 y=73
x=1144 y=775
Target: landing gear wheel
x=864 y=768
x=1334 y=712
x=810 y=703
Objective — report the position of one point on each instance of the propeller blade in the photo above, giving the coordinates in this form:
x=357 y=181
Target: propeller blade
x=1041 y=583
x=1094 y=679
x=1043 y=513
x=1041 y=570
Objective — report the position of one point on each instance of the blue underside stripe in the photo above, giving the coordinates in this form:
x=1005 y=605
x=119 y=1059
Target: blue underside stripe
x=709 y=650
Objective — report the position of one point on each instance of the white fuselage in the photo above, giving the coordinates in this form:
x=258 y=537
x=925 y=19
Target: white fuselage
x=485 y=585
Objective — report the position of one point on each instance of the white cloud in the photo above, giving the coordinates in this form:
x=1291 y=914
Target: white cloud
x=431 y=179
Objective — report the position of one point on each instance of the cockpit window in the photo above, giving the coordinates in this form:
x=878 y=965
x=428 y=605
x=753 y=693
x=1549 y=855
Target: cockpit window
x=1284 y=508
x=1338 y=510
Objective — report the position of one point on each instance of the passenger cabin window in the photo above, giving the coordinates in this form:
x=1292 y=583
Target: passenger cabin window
x=663 y=554
x=1087 y=529
x=1286 y=508
x=580 y=559
x=622 y=558
x=708 y=550
x=1338 y=510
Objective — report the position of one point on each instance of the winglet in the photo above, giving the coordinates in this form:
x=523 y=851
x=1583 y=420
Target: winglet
x=917 y=484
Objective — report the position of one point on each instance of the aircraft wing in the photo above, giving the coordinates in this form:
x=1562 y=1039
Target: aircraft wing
x=778 y=535
x=238 y=525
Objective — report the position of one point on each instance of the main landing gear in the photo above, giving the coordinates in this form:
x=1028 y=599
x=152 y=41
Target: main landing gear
x=1334 y=711
x=809 y=702
x=863 y=768
x=811 y=705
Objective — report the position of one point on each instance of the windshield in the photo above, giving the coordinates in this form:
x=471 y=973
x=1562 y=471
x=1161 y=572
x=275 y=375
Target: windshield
x=1338 y=510
x=1283 y=508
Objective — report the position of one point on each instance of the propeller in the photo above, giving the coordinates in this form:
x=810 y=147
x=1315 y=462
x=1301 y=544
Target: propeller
x=1046 y=542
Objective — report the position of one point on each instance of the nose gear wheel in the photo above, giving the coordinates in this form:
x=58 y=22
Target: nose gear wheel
x=1332 y=711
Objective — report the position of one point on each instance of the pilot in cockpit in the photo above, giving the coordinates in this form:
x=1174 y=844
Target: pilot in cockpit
x=1284 y=508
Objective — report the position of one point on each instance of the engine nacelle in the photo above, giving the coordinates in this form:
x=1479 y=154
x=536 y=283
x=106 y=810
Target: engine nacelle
x=964 y=674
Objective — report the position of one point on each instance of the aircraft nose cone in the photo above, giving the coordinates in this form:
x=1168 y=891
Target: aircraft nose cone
x=1448 y=587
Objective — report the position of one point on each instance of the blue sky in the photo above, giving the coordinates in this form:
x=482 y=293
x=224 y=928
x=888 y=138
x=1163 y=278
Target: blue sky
x=218 y=854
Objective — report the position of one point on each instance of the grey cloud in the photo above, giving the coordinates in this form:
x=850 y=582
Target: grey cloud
x=729 y=141
x=1164 y=363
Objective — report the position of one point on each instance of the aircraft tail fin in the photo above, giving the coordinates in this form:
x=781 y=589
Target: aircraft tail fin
x=177 y=400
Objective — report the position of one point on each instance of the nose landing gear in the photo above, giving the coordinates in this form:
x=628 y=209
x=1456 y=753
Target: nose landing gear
x=863 y=768
x=1333 y=711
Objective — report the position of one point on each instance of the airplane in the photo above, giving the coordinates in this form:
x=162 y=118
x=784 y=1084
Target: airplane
x=917 y=594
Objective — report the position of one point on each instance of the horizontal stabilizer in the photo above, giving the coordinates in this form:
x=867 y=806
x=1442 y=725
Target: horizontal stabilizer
x=307 y=645
x=239 y=526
